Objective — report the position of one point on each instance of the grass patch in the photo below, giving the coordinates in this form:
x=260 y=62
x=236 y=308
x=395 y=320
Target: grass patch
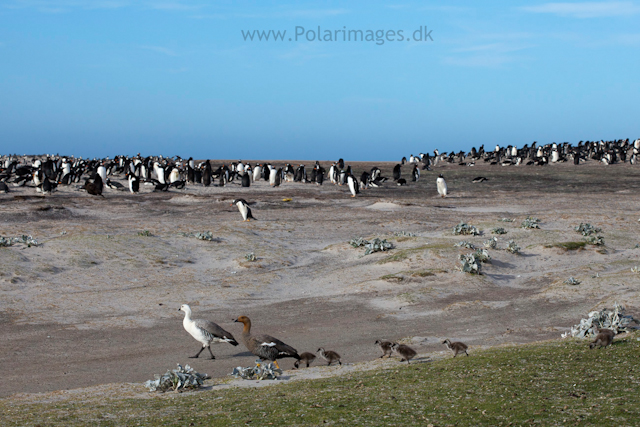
x=568 y=246
x=403 y=254
x=560 y=382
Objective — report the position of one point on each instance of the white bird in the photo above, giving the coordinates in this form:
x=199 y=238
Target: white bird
x=205 y=332
x=442 y=186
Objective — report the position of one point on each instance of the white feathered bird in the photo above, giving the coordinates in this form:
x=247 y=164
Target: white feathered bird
x=205 y=332
x=442 y=186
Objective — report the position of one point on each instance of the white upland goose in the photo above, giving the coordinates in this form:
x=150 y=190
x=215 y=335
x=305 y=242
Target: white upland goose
x=205 y=331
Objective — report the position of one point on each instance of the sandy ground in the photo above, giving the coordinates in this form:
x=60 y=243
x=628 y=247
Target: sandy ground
x=97 y=303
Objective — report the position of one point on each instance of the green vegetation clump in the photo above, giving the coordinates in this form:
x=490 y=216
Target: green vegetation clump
x=531 y=222
x=23 y=239
x=512 y=247
x=145 y=233
x=469 y=264
x=465 y=229
x=376 y=245
x=251 y=257
x=491 y=243
x=595 y=240
x=561 y=382
x=465 y=244
x=586 y=229
x=498 y=230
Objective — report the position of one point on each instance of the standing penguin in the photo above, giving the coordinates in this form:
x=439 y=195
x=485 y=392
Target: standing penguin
x=442 y=186
x=415 y=173
x=246 y=179
x=206 y=174
x=396 y=172
x=244 y=209
x=134 y=183
x=353 y=185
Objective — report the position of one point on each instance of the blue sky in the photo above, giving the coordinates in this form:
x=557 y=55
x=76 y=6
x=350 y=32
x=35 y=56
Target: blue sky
x=98 y=78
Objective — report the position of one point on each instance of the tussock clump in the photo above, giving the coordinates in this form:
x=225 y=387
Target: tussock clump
x=530 y=222
x=469 y=264
x=23 y=239
x=482 y=255
x=498 y=230
x=404 y=234
x=182 y=378
x=261 y=371
x=145 y=233
x=512 y=247
x=572 y=281
x=492 y=243
x=465 y=244
x=614 y=319
x=250 y=257
x=586 y=229
x=376 y=245
x=205 y=235
x=465 y=229
x=594 y=240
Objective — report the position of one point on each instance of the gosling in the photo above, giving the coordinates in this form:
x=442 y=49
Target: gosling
x=456 y=347
x=406 y=352
x=305 y=357
x=385 y=346
x=329 y=356
x=603 y=339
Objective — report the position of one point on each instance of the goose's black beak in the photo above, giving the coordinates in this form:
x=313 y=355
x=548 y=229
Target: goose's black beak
x=235 y=320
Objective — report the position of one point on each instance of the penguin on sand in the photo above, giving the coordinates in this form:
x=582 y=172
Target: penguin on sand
x=353 y=185
x=244 y=209
x=442 y=186
x=246 y=179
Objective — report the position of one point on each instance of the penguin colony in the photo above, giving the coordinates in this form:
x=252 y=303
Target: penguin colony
x=46 y=173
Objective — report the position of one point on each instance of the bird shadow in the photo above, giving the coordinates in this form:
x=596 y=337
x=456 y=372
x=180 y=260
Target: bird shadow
x=244 y=353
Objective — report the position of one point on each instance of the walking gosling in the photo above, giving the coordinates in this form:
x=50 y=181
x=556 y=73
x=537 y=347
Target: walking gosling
x=456 y=347
x=305 y=357
x=385 y=346
x=405 y=351
x=603 y=339
x=329 y=356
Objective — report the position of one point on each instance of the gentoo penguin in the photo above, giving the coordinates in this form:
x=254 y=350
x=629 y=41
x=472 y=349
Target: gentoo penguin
x=244 y=209
x=257 y=171
x=479 y=179
x=102 y=171
x=3 y=187
x=442 y=186
x=353 y=185
x=396 y=172
x=114 y=185
x=206 y=174
x=415 y=173
x=205 y=331
x=278 y=178
x=174 y=176
x=134 y=183
x=401 y=181
x=273 y=172
x=246 y=179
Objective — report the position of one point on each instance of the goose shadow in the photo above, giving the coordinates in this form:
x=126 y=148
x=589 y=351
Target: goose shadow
x=501 y=264
x=244 y=353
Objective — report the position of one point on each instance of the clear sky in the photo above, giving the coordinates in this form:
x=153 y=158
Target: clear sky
x=103 y=77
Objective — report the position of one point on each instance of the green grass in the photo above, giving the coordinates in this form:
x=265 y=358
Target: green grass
x=568 y=246
x=553 y=383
